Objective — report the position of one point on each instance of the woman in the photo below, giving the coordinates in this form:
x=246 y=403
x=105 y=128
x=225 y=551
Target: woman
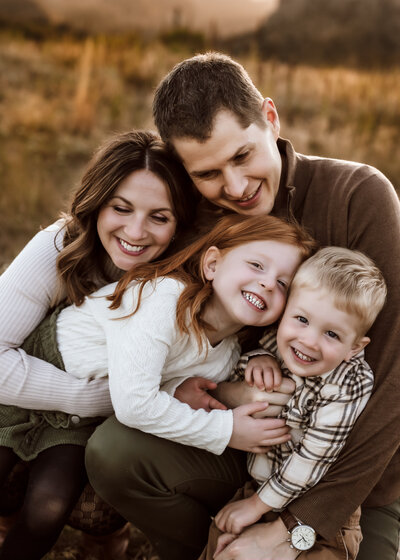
x=134 y=198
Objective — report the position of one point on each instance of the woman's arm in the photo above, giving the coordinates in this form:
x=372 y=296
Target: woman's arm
x=28 y=287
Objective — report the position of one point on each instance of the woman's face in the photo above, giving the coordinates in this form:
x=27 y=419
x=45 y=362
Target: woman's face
x=138 y=222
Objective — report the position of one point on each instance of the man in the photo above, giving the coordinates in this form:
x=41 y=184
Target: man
x=227 y=136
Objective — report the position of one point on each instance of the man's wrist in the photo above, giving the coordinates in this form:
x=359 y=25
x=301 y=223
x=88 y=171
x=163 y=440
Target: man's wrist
x=301 y=536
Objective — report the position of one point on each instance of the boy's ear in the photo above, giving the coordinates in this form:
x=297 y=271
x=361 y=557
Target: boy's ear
x=357 y=347
x=210 y=262
x=271 y=115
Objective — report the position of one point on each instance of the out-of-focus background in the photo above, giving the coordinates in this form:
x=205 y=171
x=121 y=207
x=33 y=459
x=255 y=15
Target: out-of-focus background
x=73 y=72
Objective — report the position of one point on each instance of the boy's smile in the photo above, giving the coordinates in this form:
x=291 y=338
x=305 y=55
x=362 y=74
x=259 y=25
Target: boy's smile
x=314 y=336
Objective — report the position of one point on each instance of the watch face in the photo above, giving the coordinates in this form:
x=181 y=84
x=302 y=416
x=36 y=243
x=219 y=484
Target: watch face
x=303 y=537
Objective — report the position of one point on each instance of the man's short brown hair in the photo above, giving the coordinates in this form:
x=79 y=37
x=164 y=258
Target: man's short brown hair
x=189 y=97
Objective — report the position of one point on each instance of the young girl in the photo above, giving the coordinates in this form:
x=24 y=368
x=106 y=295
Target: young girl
x=179 y=318
x=133 y=198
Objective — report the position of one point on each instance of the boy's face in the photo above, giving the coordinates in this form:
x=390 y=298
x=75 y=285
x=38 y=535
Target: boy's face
x=236 y=168
x=314 y=336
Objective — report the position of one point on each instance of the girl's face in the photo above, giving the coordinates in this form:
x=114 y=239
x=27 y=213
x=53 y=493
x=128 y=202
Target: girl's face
x=250 y=283
x=138 y=222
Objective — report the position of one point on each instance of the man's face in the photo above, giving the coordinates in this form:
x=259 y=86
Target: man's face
x=236 y=168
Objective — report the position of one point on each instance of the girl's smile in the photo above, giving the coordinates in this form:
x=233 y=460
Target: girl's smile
x=249 y=283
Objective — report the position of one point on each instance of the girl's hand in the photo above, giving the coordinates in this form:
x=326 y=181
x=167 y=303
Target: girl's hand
x=256 y=435
x=264 y=372
x=194 y=392
x=235 y=516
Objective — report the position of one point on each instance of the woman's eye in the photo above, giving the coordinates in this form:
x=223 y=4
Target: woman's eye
x=256 y=265
x=160 y=219
x=121 y=209
x=302 y=319
x=332 y=334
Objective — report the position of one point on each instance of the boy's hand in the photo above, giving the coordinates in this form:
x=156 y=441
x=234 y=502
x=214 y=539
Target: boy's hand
x=263 y=372
x=235 y=516
x=194 y=392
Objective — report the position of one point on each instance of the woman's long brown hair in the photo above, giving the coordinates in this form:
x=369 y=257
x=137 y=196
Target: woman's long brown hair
x=187 y=265
x=81 y=263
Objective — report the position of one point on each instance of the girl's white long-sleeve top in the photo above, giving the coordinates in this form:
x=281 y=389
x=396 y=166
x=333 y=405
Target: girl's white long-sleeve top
x=28 y=287
x=143 y=351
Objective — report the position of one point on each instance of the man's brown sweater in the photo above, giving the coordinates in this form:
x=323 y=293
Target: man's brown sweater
x=351 y=205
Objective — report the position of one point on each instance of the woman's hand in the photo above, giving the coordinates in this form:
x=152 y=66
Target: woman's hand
x=194 y=392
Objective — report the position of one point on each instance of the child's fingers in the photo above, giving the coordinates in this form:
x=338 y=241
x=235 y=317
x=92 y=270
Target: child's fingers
x=268 y=379
x=223 y=541
x=258 y=376
x=220 y=519
x=248 y=375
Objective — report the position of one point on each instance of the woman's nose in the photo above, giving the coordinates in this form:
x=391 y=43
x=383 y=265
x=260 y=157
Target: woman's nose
x=135 y=228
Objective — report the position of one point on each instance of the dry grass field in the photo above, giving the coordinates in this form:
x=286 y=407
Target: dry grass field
x=59 y=98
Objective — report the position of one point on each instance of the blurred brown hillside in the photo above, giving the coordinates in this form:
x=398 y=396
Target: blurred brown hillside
x=357 y=33
x=61 y=96
x=224 y=16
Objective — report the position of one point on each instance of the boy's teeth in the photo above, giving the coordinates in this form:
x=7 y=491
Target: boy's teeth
x=254 y=300
x=132 y=248
x=303 y=357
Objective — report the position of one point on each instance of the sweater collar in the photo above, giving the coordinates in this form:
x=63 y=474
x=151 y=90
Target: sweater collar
x=291 y=192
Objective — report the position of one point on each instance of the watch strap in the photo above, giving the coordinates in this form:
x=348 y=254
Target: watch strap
x=289 y=520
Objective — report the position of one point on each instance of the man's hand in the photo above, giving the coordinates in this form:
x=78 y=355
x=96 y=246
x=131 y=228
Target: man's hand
x=256 y=435
x=194 y=392
x=263 y=541
x=235 y=516
x=264 y=372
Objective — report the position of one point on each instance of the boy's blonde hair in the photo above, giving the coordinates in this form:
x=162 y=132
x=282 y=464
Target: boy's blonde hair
x=351 y=277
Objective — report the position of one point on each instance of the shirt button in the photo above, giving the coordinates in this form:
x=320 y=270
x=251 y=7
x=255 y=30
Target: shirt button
x=75 y=419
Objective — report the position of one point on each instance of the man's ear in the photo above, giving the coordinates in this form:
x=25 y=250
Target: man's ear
x=271 y=115
x=210 y=262
x=357 y=347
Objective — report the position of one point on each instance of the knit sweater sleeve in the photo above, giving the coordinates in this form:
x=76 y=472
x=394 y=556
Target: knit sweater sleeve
x=139 y=350
x=28 y=287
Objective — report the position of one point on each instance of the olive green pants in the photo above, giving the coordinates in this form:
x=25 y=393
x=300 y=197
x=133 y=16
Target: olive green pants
x=380 y=528
x=167 y=490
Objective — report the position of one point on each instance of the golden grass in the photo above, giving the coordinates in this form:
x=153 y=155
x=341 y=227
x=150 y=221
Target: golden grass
x=60 y=99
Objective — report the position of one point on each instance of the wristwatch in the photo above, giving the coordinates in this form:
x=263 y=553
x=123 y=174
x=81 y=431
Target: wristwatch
x=301 y=537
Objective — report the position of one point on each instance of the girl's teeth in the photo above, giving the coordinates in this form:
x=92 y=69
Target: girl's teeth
x=131 y=248
x=254 y=300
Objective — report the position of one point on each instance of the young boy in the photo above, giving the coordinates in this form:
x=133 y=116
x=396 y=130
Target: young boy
x=334 y=299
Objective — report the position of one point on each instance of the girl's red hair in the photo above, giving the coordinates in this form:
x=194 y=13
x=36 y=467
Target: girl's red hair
x=187 y=265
